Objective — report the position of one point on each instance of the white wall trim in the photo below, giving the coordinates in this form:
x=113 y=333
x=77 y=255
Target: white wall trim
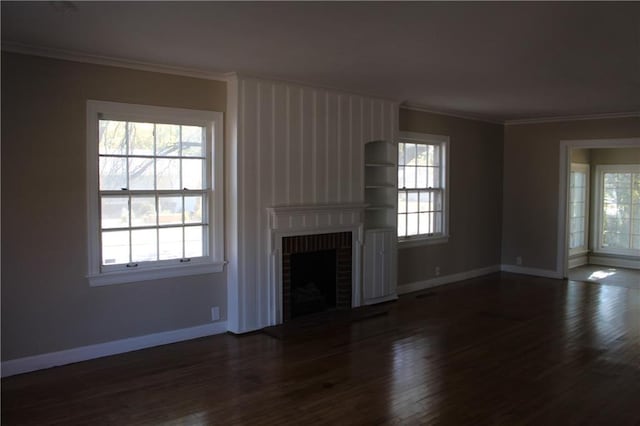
x=614 y=262
x=420 y=108
x=578 y=260
x=632 y=114
x=447 y=279
x=68 y=55
x=84 y=353
x=563 y=193
x=545 y=273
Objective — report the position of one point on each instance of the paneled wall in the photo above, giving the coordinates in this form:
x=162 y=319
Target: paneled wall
x=294 y=145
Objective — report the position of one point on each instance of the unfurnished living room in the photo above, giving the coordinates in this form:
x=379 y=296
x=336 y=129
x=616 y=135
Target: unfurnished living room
x=320 y=213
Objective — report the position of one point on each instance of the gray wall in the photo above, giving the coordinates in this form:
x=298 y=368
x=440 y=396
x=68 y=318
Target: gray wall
x=475 y=198
x=531 y=173
x=47 y=304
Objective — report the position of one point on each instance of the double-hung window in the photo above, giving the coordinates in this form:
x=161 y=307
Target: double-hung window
x=154 y=192
x=618 y=210
x=578 y=208
x=422 y=188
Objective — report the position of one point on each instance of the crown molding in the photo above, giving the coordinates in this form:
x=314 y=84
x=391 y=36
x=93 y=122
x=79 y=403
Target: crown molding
x=68 y=55
x=420 y=108
x=633 y=114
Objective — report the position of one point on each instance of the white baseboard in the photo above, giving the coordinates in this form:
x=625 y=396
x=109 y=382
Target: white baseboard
x=84 y=353
x=546 y=273
x=574 y=262
x=614 y=262
x=447 y=279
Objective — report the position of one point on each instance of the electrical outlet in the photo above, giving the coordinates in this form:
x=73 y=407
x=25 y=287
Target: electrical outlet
x=519 y=260
x=215 y=313
x=437 y=271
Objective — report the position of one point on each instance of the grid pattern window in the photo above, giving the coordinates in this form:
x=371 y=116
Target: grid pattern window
x=620 y=210
x=156 y=204
x=421 y=189
x=578 y=202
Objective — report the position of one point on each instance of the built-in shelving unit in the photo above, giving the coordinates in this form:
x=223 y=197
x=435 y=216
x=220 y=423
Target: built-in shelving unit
x=381 y=198
x=380 y=177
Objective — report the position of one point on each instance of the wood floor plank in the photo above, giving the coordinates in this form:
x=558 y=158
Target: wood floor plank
x=501 y=349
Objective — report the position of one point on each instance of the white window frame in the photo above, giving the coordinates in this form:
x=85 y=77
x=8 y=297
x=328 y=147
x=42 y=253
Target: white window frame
x=443 y=142
x=598 y=205
x=581 y=168
x=214 y=259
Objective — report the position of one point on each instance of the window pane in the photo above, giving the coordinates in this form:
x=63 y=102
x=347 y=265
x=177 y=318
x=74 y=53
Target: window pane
x=438 y=227
x=421 y=175
x=426 y=223
x=192 y=145
x=143 y=211
x=421 y=155
x=401 y=183
x=112 y=138
x=192 y=174
x=402 y=202
x=113 y=173
x=170 y=240
x=168 y=173
x=433 y=177
x=437 y=200
x=410 y=177
x=193 y=209
x=115 y=212
x=402 y=225
x=412 y=202
x=193 y=241
x=401 y=154
x=412 y=224
x=425 y=202
x=636 y=242
x=410 y=154
x=434 y=155
x=144 y=245
x=141 y=138
x=141 y=173
x=115 y=247
x=170 y=210
x=167 y=140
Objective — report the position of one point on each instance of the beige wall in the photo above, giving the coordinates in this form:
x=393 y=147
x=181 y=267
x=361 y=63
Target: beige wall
x=475 y=198
x=47 y=304
x=531 y=184
x=582 y=156
x=615 y=156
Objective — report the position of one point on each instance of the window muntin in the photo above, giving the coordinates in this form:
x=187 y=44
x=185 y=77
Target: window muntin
x=421 y=188
x=619 y=209
x=154 y=191
x=153 y=186
x=578 y=211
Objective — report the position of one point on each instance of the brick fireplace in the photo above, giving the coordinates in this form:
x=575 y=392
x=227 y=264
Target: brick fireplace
x=316 y=273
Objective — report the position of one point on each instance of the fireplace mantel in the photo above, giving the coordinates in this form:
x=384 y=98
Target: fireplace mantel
x=285 y=221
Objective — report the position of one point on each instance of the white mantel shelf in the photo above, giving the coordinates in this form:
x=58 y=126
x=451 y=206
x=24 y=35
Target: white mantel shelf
x=303 y=209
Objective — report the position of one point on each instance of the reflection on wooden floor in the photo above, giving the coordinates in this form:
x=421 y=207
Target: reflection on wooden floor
x=608 y=275
x=502 y=349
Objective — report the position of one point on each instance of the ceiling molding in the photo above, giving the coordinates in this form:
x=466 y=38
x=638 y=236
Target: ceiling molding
x=68 y=55
x=633 y=114
x=416 y=107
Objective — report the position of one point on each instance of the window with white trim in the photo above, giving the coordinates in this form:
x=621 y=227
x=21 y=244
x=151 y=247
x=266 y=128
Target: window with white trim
x=618 y=209
x=422 y=187
x=154 y=191
x=578 y=208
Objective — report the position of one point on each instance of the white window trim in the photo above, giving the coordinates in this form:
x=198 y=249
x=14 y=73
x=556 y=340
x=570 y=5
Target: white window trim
x=597 y=207
x=214 y=262
x=582 y=168
x=443 y=141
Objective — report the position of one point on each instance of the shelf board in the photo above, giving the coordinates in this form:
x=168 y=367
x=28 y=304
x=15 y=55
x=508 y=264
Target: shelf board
x=380 y=185
x=379 y=164
x=380 y=207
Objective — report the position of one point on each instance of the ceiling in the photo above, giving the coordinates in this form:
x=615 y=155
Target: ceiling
x=495 y=61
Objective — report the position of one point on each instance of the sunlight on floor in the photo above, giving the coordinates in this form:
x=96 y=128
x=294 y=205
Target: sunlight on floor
x=598 y=275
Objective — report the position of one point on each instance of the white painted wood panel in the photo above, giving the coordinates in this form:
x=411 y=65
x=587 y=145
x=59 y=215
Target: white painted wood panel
x=294 y=145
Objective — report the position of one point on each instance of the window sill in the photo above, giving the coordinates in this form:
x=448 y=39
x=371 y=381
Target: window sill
x=422 y=241
x=109 y=278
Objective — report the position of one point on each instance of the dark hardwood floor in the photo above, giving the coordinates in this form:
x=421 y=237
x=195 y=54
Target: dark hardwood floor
x=502 y=349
